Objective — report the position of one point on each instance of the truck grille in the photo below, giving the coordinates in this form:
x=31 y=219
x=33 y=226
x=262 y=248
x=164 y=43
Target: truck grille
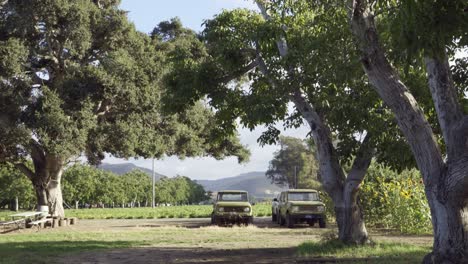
x=234 y=209
x=308 y=208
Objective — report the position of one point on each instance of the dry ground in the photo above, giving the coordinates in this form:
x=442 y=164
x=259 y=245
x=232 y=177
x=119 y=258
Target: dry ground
x=195 y=241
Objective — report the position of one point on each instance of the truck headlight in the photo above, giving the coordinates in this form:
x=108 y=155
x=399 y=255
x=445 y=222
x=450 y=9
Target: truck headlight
x=295 y=209
x=321 y=208
x=247 y=209
x=221 y=209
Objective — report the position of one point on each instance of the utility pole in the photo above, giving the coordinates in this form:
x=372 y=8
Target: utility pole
x=295 y=177
x=153 y=204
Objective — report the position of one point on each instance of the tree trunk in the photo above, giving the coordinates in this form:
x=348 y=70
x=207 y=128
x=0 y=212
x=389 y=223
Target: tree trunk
x=450 y=226
x=16 y=204
x=446 y=180
x=343 y=190
x=41 y=192
x=54 y=198
x=353 y=230
x=46 y=181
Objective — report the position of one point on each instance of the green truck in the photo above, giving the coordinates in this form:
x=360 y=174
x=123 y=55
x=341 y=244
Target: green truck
x=299 y=206
x=232 y=207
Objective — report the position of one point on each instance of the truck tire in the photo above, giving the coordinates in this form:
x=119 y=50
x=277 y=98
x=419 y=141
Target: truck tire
x=289 y=221
x=322 y=223
x=213 y=219
x=282 y=221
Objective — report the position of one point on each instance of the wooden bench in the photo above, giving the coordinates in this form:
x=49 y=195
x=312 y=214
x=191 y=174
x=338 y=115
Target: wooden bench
x=12 y=225
x=14 y=222
x=40 y=223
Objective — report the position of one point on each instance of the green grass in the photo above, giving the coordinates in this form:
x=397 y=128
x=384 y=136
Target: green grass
x=186 y=211
x=380 y=252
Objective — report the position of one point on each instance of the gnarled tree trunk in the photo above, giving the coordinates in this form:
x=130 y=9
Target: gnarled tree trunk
x=446 y=180
x=46 y=180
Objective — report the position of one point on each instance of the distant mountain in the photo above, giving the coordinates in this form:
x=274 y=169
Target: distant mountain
x=254 y=182
x=123 y=168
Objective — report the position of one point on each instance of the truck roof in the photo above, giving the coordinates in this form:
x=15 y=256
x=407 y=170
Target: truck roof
x=301 y=190
x=232 y=191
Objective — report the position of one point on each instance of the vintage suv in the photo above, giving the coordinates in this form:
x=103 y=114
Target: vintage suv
x=232 y=206
x=300 y=206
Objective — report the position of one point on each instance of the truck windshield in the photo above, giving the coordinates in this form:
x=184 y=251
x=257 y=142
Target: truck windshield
x=303 y=196
x=232 y=197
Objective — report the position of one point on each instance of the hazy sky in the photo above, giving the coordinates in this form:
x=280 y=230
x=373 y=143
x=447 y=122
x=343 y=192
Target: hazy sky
x=148 y=13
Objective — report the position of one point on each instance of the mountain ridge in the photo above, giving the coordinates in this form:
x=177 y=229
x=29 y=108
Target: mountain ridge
x=254 y=182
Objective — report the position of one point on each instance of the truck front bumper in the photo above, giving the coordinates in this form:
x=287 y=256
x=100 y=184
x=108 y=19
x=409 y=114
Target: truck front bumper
x=233 y=218
x=304 y=217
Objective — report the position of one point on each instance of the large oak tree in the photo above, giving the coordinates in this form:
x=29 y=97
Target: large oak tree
x=77 y=78
x=251 y=66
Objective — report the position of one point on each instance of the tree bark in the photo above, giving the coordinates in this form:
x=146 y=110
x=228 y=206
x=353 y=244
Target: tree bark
x=450 y=225
x=446 y=181
x=47 y=183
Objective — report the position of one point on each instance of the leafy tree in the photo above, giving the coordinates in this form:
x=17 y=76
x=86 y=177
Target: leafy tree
x=137 y=186
x=294 y=165
x=15 y=185
x=80 y=184
x=427 y=32
x=77 y=78
x=252 y=65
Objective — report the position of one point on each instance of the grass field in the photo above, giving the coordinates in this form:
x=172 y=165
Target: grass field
x=187 y=211
x=166 y=240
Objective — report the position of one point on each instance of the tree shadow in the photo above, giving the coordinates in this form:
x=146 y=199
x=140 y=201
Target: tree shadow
x=140 y=252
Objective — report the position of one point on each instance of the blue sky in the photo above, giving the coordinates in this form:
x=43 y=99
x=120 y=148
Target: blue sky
x=146 y=14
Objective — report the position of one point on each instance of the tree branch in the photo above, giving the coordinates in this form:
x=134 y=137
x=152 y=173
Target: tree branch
x=444 y=95
x=102 y=108
x=362 y=161
x=395 y=94
x=25 y=170
x=36 y=151
x=238 y=73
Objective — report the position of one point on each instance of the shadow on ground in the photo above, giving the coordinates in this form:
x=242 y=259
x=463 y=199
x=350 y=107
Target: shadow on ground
x=135 y=252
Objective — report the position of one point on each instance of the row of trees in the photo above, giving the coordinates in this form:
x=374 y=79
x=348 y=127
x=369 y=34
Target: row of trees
x=86 y=186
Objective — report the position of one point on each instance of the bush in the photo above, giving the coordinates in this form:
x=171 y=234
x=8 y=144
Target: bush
x=395 y=200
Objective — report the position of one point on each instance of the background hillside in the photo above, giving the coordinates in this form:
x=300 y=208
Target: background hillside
x=254 y=182
x=123 y=168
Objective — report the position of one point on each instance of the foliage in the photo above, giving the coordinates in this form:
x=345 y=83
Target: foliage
x=395 y=200
x=88 y=185
x=295 y=161
x=14 y=184
x=81 y=80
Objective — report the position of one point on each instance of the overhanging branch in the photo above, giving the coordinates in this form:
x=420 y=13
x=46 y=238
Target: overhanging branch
x=25 y=170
